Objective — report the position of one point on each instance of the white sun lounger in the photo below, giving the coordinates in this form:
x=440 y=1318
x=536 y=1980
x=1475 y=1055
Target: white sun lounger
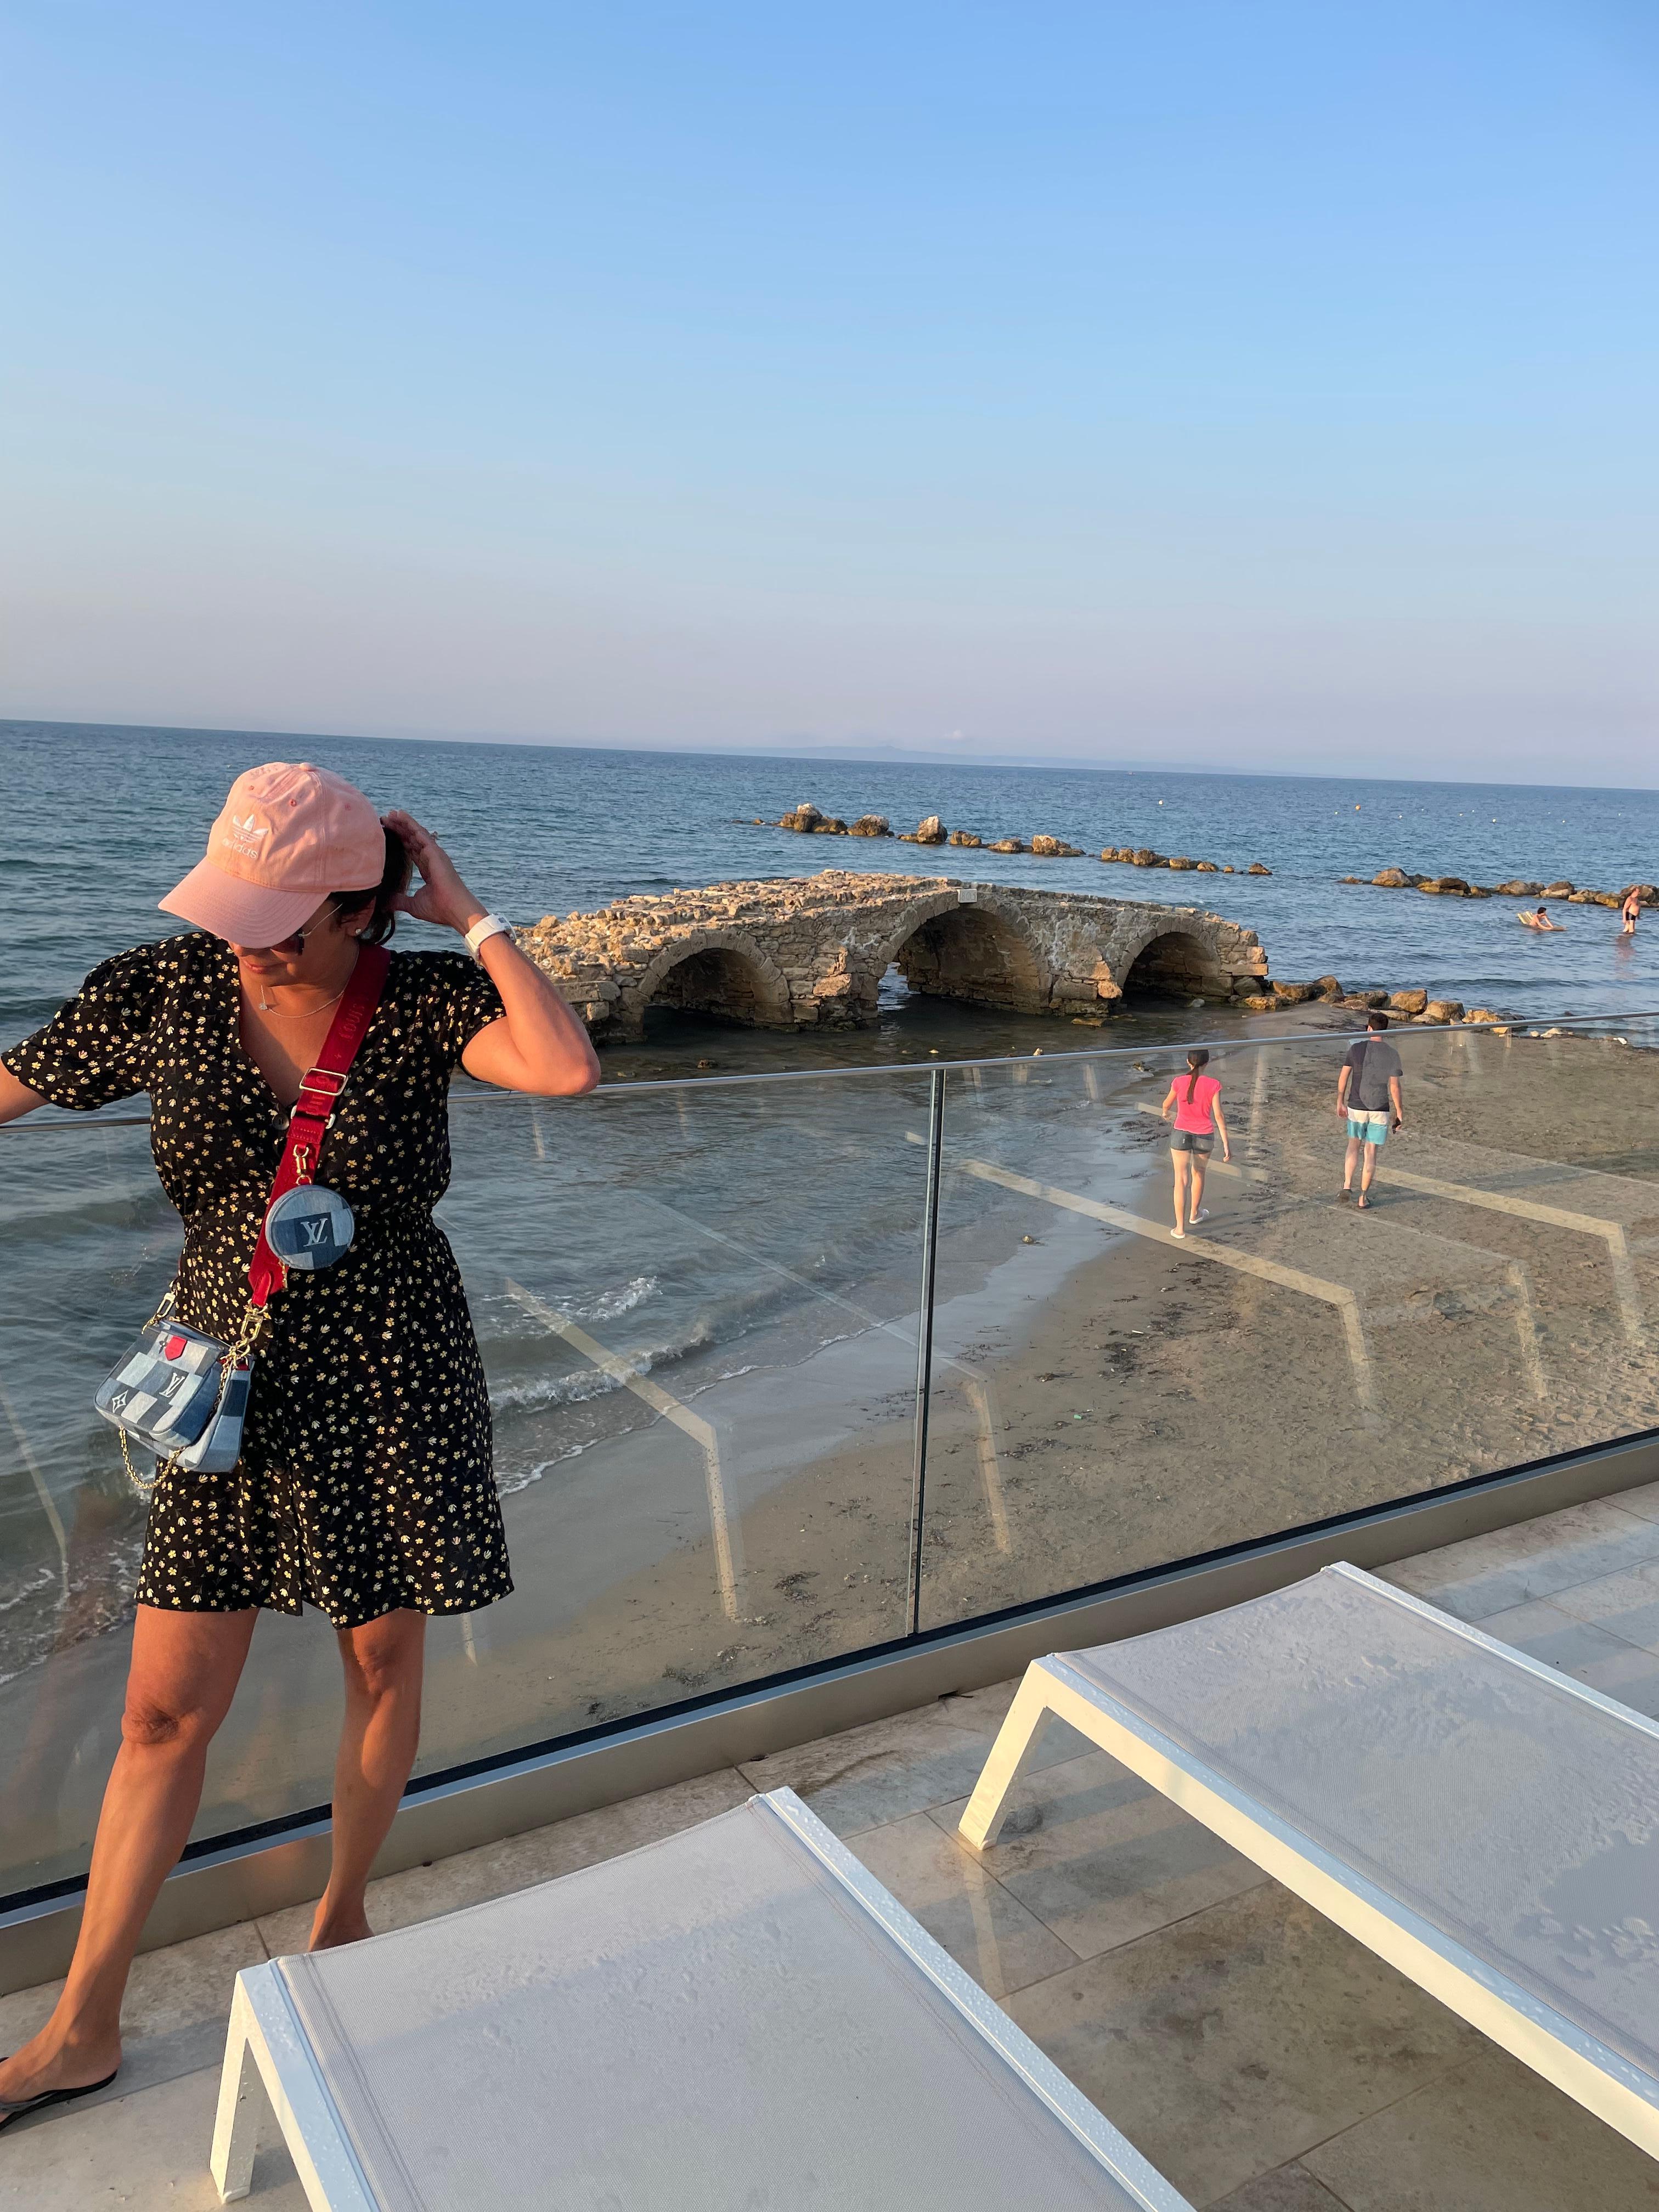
x=738 y=2016
x=1488 y=1826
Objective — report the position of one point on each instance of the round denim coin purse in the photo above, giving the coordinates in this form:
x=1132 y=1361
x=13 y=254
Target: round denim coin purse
x=309 y=1227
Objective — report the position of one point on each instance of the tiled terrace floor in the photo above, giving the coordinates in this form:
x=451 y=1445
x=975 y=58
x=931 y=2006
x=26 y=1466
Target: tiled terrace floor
x=1259 y=2058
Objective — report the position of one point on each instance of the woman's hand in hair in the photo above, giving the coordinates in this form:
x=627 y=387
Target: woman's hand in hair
x=441 y=897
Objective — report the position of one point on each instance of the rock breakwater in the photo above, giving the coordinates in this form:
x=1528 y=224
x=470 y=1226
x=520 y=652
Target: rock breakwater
x=807 y=820
x=1568 y=894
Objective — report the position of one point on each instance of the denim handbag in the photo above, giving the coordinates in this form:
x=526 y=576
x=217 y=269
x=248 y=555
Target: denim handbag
x=181 y=1394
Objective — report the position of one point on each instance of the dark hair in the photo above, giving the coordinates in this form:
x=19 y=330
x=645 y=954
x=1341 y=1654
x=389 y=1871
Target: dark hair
x=1197 y=1059
x=394 y=879
x=1377 y=1019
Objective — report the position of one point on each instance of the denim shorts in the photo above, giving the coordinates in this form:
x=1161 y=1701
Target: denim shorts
x=1193 y=1140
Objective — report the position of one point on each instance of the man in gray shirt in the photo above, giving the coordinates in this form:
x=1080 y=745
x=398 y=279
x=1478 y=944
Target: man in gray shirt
x=1367 y=1099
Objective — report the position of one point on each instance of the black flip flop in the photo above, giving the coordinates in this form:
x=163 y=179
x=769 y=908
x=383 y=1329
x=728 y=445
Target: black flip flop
x=10 y=2112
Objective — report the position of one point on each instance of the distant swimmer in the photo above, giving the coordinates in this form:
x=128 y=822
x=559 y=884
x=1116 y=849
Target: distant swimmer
x=1629 y=909
x=1539 y=919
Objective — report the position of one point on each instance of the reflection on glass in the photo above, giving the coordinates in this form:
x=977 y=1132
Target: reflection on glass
x=1292 y=1358
x=698 y=1308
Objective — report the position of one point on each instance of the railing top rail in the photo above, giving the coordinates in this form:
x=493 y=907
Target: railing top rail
x=487 y=1095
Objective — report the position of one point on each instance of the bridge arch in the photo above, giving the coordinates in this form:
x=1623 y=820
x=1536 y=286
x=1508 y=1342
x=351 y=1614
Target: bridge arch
x=1173 y=961
x=969 y=949
x=720 y=973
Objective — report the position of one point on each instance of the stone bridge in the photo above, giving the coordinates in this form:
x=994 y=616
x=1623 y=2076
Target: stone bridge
x=807 y=953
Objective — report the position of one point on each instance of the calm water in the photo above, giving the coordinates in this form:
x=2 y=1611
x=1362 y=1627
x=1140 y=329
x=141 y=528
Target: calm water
x=98 y=822
x=736 y=1227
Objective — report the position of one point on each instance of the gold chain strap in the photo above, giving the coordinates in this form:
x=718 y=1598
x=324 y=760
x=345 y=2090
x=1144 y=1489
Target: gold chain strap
x=143 y=1484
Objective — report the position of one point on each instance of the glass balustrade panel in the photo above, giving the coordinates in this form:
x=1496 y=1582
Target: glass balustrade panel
x=697 y=1306
x=1108 y=1397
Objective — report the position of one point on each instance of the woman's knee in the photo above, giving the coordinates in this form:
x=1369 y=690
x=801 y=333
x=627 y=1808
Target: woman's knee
x=383 y=1659
x=151 y=1723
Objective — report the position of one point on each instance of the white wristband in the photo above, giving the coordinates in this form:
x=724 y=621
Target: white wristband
x=489 y=925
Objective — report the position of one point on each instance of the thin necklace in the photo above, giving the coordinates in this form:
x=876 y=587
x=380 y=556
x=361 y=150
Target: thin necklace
x=270 y=1008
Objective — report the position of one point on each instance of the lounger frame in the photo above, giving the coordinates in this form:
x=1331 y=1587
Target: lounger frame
x=1600 y=2079
x=267 y=2045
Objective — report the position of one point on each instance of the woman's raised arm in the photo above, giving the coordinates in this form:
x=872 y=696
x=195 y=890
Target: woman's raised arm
x=539 y=1044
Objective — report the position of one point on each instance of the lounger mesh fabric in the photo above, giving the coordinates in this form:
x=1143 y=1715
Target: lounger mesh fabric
x=709 y=2023
x=1519 y=1818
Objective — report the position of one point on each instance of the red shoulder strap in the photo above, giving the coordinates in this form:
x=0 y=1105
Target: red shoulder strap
x=314 y=1110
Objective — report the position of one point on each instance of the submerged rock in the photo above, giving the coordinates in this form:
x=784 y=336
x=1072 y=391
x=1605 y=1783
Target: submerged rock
x=1257 y=868
x=870 y=825
x=930 y=830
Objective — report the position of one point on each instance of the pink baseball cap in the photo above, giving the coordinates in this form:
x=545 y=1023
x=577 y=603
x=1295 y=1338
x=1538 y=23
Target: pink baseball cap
x=289 y=835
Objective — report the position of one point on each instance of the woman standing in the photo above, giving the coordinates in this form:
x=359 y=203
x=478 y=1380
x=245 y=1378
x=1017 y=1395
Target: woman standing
x=364 y=1485
x=1196 y=1099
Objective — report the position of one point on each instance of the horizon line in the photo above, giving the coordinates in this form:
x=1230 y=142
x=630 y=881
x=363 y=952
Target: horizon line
x=875 y=755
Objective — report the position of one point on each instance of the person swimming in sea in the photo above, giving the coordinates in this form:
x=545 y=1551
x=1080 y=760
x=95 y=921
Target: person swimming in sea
x=1538 y=920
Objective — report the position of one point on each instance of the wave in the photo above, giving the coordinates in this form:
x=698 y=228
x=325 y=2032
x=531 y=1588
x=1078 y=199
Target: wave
x=609 y=1304
x=47 y=1620
x=576 y=1386
x=509 y=1485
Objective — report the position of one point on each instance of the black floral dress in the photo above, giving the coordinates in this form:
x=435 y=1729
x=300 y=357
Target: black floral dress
x=365 y=1482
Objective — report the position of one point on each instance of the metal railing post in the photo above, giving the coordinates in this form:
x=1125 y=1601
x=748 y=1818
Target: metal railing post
x=924 y=1338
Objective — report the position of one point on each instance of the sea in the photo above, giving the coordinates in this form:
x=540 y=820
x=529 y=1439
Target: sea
x=699 y=1233
x=96 y=822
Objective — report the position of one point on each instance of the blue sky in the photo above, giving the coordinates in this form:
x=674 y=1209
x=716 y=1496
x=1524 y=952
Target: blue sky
x=1272 y=383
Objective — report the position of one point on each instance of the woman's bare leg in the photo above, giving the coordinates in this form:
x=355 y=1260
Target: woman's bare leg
x=381 y=1734
x=1201 y=1162
x=1183 y=1164
x=183 y=1674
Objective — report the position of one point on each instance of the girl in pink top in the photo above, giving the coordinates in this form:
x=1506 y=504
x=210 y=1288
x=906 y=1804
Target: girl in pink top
x=1196 y=1099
